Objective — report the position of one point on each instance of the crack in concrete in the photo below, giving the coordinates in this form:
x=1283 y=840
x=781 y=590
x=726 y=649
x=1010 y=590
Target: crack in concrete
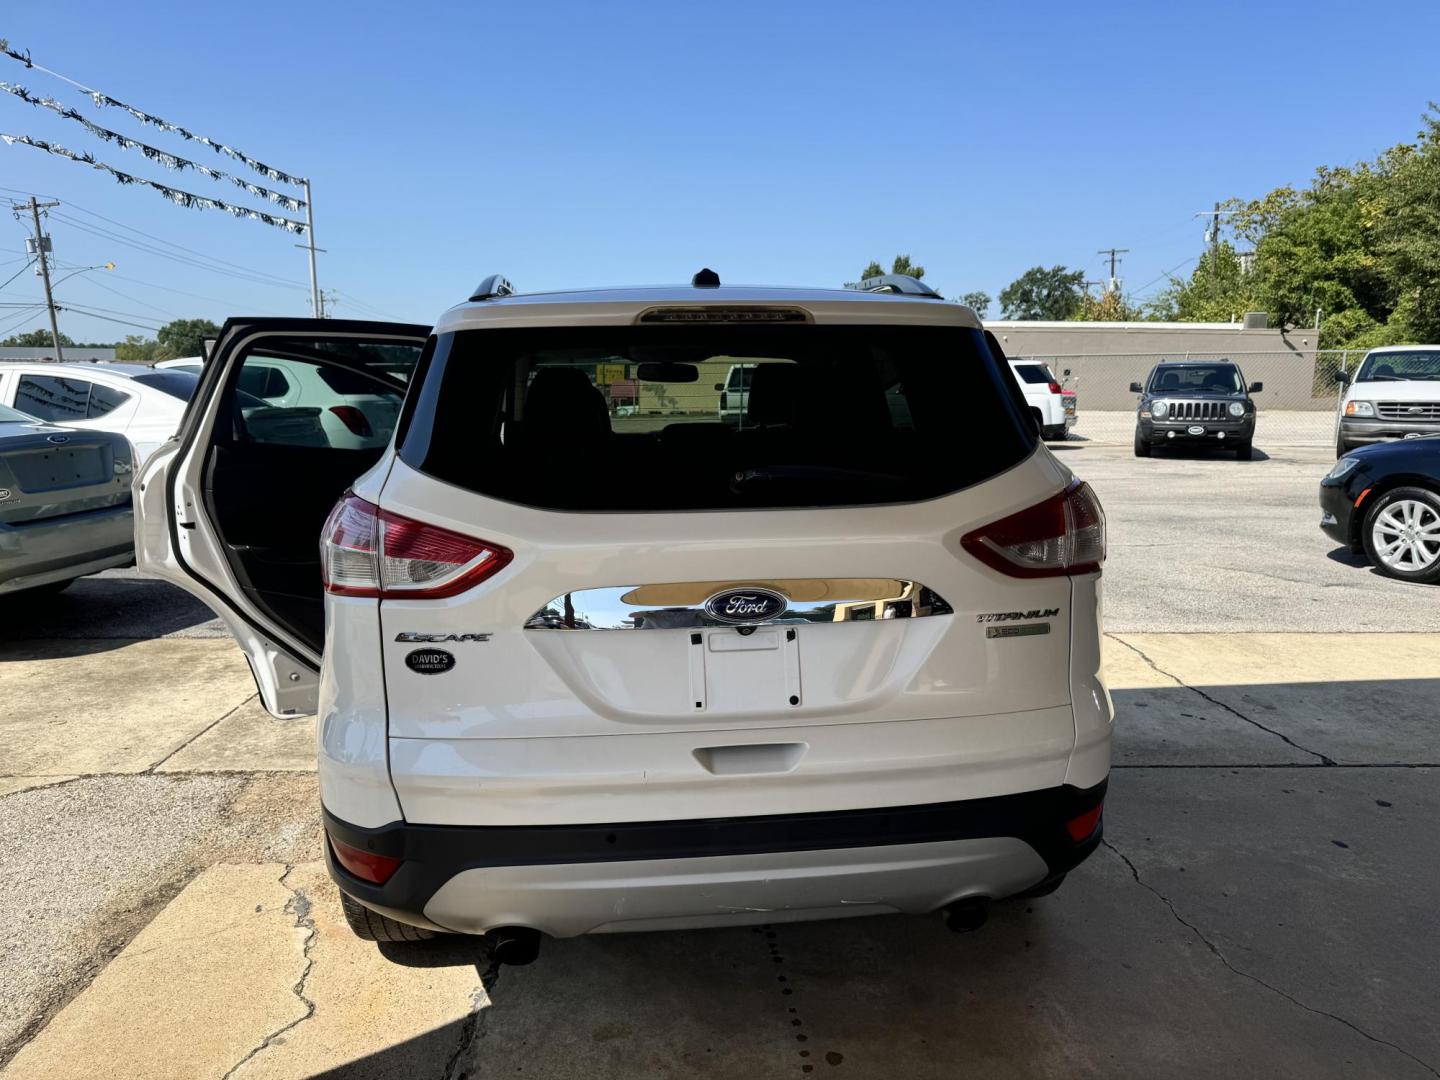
x=473 y=1029
x=299 y=905
x=1323 y=758
x=1215 y=951
x=151 y=768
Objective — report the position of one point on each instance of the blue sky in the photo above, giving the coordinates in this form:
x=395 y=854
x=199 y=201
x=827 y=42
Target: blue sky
x=587 y=144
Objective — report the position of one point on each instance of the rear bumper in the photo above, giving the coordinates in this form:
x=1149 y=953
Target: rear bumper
x=574 y=879
x=1355 y=432
x=56 y=549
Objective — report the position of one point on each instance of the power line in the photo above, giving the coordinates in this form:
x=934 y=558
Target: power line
x=161 y=240
x=183 y=260
x=17 y=273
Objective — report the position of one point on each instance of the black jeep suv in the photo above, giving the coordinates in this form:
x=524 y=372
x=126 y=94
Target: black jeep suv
x=1195 y=403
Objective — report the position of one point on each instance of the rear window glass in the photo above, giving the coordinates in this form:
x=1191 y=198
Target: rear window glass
x=1033 y=373
x=177 y=382
x=632 y=418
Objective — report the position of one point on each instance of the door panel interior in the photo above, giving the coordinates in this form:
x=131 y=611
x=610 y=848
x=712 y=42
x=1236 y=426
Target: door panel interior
x=269 y=503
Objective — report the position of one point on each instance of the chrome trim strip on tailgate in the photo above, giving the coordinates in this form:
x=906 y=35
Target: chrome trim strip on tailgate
x=689 y=604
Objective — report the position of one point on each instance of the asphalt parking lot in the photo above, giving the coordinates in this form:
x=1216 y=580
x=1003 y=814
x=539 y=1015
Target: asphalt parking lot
x=1260 y=906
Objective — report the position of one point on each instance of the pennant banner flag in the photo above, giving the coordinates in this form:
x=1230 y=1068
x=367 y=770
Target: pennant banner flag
x=170 y=161
x=175 y=195
x=106 y=101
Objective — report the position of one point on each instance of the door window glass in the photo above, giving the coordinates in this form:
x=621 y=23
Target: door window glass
x=262 y=380
x=52 y=397
x=339 y=394
x=104 y=400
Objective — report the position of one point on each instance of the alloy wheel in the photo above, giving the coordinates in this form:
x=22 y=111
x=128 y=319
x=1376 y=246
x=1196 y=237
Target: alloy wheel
x=1406 y=535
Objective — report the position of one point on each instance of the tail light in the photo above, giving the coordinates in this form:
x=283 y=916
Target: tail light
x=1083 y=827
x=366 y=551
x=1055 y=388
x=353 y=419
x=1065 y=534
x=366 y=865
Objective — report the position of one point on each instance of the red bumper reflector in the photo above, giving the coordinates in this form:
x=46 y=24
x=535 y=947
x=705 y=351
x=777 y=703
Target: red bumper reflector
x=366 y=865
x=1083 y=827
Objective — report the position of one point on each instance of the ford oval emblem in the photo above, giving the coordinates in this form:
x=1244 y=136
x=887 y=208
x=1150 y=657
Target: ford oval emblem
x=58 y=440
x=740 y=606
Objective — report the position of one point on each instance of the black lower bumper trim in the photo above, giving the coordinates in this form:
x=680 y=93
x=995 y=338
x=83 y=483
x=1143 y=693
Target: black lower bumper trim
x=432 y=854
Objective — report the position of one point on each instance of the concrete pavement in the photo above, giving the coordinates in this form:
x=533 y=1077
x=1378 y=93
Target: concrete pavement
x=1256 y=909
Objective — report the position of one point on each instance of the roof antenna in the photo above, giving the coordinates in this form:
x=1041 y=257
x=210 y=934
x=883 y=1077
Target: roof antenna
x=706 y=279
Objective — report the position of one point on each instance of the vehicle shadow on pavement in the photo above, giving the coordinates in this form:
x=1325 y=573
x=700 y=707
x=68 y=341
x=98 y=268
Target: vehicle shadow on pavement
x=97 y=614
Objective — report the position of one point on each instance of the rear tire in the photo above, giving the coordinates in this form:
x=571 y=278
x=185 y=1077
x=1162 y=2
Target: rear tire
x=1142 y=448
x=1244 y=452
x=1399 y=513
x=370 y=925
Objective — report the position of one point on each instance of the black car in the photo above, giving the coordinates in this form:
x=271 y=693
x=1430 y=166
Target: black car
x=1195 y=403
x=1383 y=501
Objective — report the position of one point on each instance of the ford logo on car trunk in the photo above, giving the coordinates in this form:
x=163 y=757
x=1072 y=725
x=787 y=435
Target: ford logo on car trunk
x=738 y=606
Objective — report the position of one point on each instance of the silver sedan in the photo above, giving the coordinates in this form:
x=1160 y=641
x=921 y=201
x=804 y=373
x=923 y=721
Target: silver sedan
x=64 y=503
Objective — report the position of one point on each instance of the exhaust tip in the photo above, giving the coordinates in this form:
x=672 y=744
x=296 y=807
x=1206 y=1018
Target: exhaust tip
x=514 y=946
x=966 y=915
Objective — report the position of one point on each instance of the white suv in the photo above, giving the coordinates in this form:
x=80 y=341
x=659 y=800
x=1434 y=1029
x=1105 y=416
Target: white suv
x=585 y=667
x=1052 y=405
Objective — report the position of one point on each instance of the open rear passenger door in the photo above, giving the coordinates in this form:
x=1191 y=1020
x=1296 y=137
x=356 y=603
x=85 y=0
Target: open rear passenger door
x=288 y=413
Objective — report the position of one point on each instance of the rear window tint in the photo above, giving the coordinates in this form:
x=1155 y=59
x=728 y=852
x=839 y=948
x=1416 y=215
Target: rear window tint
x=631 y=418
x=1033 y=373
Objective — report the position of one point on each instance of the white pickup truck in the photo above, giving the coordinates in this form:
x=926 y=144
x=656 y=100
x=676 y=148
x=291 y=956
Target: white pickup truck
x=1394 y=394
x=1052 y=404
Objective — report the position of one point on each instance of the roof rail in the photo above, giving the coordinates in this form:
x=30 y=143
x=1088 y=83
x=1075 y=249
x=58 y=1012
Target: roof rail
x=493 y=288
x=896 y=283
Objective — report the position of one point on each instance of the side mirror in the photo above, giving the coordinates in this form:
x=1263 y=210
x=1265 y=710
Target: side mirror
x=1136 y=388
x=1256 y=387
x=1343 y=378
x=719 y=386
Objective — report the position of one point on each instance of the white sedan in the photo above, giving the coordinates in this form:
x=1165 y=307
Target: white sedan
x=133 y=400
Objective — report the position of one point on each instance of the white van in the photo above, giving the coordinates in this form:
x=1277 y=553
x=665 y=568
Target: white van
x=578 y=671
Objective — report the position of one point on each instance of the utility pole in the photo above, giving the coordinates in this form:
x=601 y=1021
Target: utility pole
x=40 y=254
x=1114 y=254
x=317 y=302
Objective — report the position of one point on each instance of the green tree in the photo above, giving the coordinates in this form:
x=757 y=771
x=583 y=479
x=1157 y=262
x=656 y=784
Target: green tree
x=1109 y=306
x=185 y=337
x=977 y=301
x=1041 y=294
x=1218 y=290
x=901 y=264
x=39 y=339
x=138 y=350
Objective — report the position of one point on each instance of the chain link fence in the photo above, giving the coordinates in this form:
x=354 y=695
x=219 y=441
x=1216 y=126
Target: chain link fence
x=1298 y=405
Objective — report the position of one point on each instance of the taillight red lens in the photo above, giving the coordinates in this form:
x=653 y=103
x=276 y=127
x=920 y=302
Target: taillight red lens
x=1055 y=388
x=1065 y=534
x=366 y=865
x=366 y=551
x=1083 y=827
x=353 y=419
